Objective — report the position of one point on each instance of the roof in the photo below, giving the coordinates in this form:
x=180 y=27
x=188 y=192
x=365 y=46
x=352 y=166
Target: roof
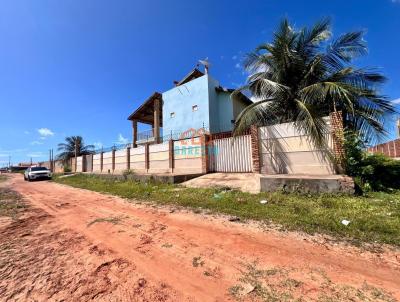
x=241 y=96
x=145 y=112
x=194 y=74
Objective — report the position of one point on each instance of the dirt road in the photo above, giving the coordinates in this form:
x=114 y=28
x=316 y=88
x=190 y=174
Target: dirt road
x=76 y=245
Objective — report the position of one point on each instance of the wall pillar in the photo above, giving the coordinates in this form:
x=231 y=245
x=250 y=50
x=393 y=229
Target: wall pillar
x=337 y=133
x=113 y=160
x=156 y=128
x=101 y=161
x=134 y=133
x=146 y=157
x=128 y=158
x=205 y=162
x=255 y=149
x=171 y=156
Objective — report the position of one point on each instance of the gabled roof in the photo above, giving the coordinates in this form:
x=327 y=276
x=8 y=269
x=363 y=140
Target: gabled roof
x=194 y=74
x=145 y=112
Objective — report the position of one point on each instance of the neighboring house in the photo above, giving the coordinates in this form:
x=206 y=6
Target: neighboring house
x=197 y=101
x=390 y=148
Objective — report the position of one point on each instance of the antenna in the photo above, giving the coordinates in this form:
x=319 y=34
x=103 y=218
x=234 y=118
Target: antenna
x=206 y=64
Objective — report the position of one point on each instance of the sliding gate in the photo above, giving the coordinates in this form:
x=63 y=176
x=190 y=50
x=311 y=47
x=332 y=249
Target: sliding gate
x=232 y=154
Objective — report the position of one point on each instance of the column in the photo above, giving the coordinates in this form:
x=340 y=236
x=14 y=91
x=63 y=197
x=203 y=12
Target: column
x=157 y=121
x=134 y=133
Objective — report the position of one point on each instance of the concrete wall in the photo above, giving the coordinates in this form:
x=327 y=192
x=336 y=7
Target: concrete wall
x=286 y=150
x=159 y=158
x=215 y=110
x=180 y=101
x=96 y=163
x=188 y=156
x=391 y=149
x=107 y=162
x=180 y=157
x=138 y=159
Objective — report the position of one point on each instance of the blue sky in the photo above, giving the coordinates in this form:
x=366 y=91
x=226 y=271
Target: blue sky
x=80 y=67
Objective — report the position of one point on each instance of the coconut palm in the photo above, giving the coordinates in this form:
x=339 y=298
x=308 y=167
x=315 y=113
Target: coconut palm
x=74 y=146
x=304 y=75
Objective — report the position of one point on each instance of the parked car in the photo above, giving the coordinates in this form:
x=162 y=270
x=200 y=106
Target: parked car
x=33 y=173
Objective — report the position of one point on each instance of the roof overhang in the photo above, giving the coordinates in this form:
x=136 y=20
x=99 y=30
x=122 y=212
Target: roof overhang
x=145 y=112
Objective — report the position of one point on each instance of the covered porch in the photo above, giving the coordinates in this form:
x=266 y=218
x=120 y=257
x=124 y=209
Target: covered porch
x=149 y=113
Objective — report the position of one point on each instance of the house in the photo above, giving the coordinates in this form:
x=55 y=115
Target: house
x=196 y=102
x=390 y=148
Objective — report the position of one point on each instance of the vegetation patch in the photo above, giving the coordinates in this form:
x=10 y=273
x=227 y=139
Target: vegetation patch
x=258 y=284
x=3 y=178
x=373 y=217
x=11 y=203
x=112 y=220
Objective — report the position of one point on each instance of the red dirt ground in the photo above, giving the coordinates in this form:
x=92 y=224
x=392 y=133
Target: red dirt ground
x=77 y=245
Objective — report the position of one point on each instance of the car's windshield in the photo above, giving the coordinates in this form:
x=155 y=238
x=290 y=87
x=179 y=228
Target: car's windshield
x=38 y=169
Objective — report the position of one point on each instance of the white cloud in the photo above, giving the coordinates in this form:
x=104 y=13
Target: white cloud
x=98 y=145
x=44 y=132
x=3 y=155
x=396 y=101
x=36 y=143
x=26 y=132
x=121 y=139
x=238 y=66
x=234 y=57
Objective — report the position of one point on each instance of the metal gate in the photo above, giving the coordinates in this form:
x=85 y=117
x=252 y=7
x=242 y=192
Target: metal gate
x=232 y=154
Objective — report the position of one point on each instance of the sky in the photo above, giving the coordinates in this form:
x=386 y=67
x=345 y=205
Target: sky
x=80 y=67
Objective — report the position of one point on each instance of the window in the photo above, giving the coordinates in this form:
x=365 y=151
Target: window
x=195 y=108
x=172 y=115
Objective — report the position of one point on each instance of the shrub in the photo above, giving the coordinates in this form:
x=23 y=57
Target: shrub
x=370 y=171
x=67 y=169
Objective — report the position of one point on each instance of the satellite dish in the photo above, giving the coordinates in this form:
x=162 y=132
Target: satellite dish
x=205 y=63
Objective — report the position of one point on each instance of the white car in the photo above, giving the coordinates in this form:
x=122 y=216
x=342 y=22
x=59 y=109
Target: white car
x=33 y=173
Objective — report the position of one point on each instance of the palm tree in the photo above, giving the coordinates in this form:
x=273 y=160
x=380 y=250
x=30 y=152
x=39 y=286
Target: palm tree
x=304 y=75
x=74 y=146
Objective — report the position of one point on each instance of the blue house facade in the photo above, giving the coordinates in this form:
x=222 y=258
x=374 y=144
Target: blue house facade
x=197 y=101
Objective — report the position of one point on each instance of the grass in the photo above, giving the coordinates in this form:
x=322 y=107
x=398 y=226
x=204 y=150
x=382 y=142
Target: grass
x=373 y=218
x=112 y=220
x=11 y=203
x=3 y=178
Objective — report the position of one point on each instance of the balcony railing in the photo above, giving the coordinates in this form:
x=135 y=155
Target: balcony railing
x=147 y=136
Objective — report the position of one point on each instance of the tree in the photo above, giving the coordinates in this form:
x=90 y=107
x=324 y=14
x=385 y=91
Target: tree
x=304 y=75
x=74 y=146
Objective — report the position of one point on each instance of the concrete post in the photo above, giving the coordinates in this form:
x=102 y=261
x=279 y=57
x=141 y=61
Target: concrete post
x=113 y=160
x=171 y=156
x=128 y=158
x=146 y=157
x=205 y=162
x=134 y=133
x=101 y=161
x=156 y=121
x=255 y=149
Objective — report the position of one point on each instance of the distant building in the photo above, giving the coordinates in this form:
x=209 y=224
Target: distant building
x=391 y=148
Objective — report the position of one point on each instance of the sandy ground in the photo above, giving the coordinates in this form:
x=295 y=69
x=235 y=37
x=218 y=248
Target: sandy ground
x=246 y=182
x=77 y=245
